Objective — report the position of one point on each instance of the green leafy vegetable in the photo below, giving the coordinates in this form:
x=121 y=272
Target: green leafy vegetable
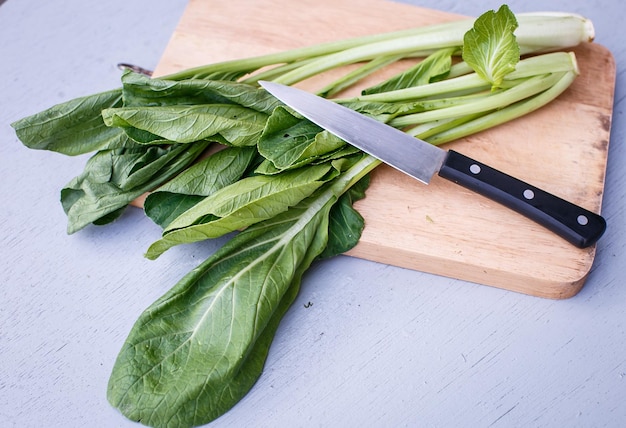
x=226 y=312
x=490 y=46
x=196 y=182
x=284 y=185
x=114 y=178
x=288 y=141
x=230 y=124
x=141 y=90
x=74 y=127
x=345 y=223
x=433 y=68
x=239 y=205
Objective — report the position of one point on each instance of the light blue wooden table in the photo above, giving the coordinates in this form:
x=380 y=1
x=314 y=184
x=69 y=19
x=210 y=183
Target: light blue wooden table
x=379 y=347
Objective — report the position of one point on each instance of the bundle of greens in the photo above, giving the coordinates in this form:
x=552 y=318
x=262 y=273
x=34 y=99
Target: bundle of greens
x=285 y=185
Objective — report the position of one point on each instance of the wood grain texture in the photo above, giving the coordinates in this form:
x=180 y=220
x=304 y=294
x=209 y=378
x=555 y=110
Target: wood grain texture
x=442 y=228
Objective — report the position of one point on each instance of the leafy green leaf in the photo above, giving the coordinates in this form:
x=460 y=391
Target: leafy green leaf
x=227 y=310
x=433 y=68
x=490 y=47
x=141 y=90
x=113 y=178
x=246 y=202
x=281 y=189
x=163 y=207
x=267 y=167
x=74 y=127
x=212 y=173
x=290 y=141
x=192 y=185
x=346 y=224
x=384 y=111
x=236 y=125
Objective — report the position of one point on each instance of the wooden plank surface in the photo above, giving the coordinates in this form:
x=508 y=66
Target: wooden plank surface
x=440 y=228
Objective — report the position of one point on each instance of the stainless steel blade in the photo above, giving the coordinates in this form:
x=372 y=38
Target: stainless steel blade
x=408 y=154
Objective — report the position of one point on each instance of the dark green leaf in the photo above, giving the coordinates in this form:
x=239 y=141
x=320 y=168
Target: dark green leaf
x=226 y=311
x=74 y=127
x=384 y=112
x=433 y=68
x=213 y=172
x=290 y=141
x=241 y=204
x=236 y=125
x=141 y=90
x=164 y=207
x=192 y=185
x=113 y=178
x=346 y=224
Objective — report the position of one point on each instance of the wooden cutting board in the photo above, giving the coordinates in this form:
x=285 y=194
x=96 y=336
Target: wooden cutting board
x=440 y=228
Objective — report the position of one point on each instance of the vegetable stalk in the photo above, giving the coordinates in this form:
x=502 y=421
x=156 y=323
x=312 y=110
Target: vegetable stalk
x=537 y=32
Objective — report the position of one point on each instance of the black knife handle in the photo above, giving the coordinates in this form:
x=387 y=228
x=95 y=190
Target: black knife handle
x=573 y=223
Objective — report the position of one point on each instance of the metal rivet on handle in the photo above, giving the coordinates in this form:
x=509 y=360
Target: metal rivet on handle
x=474 y=169
x=529 y=194
x=582 y=220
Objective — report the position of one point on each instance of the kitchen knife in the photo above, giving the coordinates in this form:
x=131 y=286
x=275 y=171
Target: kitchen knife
x=422 y=160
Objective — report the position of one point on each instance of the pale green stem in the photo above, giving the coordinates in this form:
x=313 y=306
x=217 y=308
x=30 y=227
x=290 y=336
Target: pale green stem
x=506 y=114
x=525 y=89
x=358 y=74
x=536 y=32
x=541 y=64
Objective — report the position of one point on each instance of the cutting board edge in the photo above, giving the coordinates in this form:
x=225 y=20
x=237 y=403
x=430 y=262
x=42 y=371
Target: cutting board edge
x=563 y=288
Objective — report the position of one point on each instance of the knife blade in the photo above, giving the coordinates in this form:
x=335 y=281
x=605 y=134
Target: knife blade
x=422 y=161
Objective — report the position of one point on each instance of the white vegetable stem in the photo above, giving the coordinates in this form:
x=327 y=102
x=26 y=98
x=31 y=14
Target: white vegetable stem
x=537 y=32
x=546 y=31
